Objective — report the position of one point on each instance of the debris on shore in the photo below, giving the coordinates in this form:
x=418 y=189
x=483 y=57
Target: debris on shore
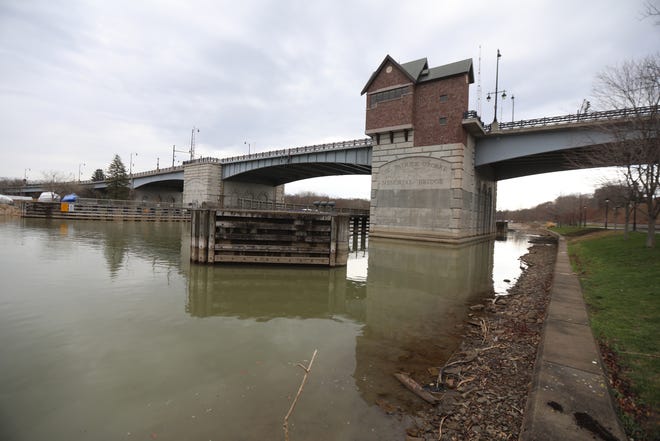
x=482 y=389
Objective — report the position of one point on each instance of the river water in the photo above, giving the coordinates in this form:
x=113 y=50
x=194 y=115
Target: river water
x=107 y=332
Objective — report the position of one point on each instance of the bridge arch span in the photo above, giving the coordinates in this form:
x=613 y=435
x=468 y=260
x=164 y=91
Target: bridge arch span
x=279 y=170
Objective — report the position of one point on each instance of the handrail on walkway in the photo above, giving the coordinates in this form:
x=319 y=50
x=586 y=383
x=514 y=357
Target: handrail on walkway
x=566 y=119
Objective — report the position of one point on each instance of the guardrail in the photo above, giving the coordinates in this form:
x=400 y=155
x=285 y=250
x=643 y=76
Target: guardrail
x=567 y=119
x=253 y=204
x=355 y=143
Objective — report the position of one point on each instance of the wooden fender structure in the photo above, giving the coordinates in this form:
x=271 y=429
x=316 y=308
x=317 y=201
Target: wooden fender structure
x=261 y=236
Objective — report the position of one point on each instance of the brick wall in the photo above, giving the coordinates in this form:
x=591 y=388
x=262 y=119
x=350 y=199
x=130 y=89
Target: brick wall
x=429 y=109
x=390 y=113
x=384 y=79
x=393 y=112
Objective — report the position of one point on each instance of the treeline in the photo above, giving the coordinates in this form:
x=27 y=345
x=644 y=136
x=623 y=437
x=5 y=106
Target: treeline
x=610 y=200
x=52 y=182
x=308 y=198
x=116 y=177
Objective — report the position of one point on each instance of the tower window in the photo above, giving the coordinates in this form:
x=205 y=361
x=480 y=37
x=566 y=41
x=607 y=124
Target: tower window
x=443 y=120
x=444 y=98
x=388 y=95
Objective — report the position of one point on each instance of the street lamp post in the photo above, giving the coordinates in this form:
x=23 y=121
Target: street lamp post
x=497 y=77
x=248 y=144
x=513 y=106
x=82 y=164
x=635 y=198
x=607 y=207
x=130 y=164
x=616 y=212
x=25 y=179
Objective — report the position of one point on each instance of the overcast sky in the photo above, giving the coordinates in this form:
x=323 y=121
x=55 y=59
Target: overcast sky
x=83 y=80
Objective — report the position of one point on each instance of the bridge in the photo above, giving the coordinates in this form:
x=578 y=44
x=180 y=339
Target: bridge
x=434 y=164
x=514 y=149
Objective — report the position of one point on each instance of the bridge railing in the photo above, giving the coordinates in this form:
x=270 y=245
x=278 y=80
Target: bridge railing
x=567 y=119
x=253 y=204
x=355 y=143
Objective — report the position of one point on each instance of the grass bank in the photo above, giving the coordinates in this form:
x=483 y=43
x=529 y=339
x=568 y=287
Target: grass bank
x=621 y=284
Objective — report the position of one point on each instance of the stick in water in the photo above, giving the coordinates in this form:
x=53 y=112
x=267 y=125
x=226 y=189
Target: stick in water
x=295 y=400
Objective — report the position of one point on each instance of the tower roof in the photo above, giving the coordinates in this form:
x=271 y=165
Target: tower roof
x=418 y=71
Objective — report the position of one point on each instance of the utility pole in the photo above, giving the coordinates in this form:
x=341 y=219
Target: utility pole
x=192 y=142
x=174 y=150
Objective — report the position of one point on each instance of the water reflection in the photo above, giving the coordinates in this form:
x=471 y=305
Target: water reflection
x=264 y=293
x=507 y=267
x=100 y=316
x=409 y=299
x=416 y=296
x=160 y=243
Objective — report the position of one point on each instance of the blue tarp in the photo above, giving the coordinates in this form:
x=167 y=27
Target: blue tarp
x=70 y=198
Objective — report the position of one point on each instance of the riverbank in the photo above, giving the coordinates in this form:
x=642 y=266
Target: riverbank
x=484 y=385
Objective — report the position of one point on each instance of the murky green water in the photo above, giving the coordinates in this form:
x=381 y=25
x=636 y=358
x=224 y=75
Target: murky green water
x=108 y=333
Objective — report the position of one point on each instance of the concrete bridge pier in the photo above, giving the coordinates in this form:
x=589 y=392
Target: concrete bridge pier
x=203 y=184
x=430 y=193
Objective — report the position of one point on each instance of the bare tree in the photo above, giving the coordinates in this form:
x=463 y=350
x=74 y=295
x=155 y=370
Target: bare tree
x=59 y=183
x=651 y=10
x=635 y=146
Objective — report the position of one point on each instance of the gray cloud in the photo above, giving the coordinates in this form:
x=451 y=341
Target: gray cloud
x=83 y=80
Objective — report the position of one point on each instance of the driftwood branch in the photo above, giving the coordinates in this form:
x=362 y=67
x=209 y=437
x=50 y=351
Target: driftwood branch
x=415 y=388
x=307 y=369
x=440 y=428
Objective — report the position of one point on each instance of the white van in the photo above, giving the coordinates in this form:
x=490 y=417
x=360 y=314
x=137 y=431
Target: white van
x=49 y=196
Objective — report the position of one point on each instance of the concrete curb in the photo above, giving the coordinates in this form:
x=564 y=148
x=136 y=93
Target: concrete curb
x=569 y=398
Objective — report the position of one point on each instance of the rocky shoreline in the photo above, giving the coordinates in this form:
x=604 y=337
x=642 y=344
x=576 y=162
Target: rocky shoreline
x=483 y=387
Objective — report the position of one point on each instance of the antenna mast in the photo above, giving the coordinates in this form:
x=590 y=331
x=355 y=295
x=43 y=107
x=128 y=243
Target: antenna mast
x=192 y=142
x=479 y=84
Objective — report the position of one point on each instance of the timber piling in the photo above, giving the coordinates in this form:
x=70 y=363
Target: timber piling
x=262 y=236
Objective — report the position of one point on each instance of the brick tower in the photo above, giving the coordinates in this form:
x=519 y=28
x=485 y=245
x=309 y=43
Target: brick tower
x=424 y=185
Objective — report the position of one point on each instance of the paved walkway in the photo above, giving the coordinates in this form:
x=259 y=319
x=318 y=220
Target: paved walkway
x=569 y=399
